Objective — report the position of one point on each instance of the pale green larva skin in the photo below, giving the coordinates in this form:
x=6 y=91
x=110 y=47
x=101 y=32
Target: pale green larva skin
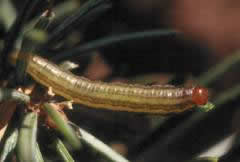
x=162 y=99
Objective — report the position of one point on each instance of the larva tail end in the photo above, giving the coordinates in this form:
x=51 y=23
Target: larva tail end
x=200 y=96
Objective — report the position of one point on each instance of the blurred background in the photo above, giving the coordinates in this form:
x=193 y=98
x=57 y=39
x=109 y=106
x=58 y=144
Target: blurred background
x=202 y=49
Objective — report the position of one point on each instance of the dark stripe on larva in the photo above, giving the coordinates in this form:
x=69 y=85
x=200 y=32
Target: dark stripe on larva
x=123 y=106
x=115 y=96
x=164 y=91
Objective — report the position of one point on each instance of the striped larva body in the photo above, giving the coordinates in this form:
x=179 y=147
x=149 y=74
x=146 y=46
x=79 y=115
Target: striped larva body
x=162 y=99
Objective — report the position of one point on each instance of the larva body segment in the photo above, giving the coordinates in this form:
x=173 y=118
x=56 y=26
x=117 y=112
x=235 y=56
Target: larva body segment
x=162 y=99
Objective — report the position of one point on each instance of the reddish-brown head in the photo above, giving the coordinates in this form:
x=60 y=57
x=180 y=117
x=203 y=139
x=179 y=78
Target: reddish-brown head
x=200 y=96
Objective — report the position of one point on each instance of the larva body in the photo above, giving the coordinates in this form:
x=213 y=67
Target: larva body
x=114 y=96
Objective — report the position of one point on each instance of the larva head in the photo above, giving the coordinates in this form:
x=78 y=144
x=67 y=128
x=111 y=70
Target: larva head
x=200 y=96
